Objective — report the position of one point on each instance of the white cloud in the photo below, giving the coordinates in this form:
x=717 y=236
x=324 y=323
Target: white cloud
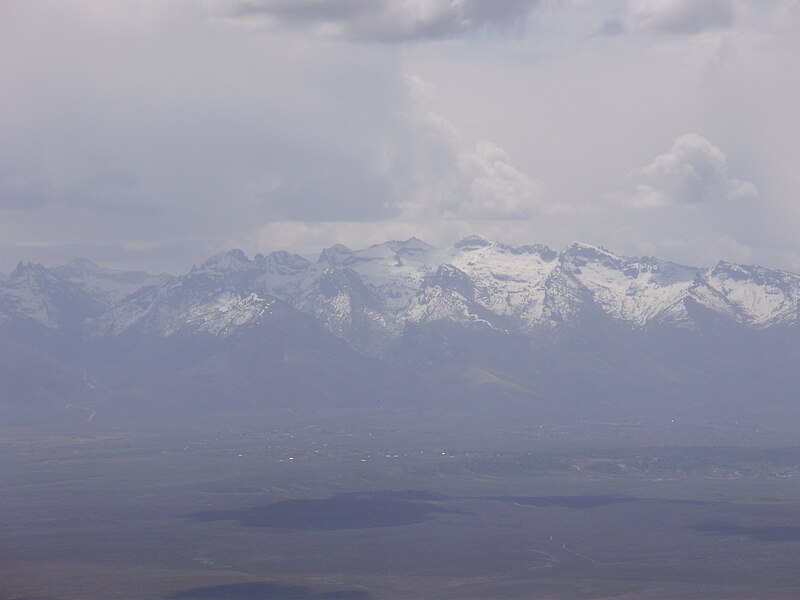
x=497 y=189
x=693 y=172
x=446 y=180
x=449 y=192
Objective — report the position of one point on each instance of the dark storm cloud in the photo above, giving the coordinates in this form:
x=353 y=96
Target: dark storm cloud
x=38 y=186
x=612 y=27
x=684 y=16
x=389 y=20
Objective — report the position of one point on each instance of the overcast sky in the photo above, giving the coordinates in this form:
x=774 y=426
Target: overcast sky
x=151 y=134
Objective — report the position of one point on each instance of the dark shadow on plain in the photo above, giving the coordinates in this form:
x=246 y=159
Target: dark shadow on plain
x=357 y=510
x=772 y=533
x=264 y=590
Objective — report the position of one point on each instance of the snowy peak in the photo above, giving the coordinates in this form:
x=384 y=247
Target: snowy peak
x=223 y=315
x=477 y=248
x=61 y=297
x=578 y=255
x=367 y=296
x=635 y=290
x=226 y=261
x=231 y=270
x=283 y=263
x=334 y=282
x=81 y=267
x=750 y=294
x=186 y=303
x=38 y=295
x=27 y=270
x=108 y=286
x=337 y=255
x=508 y=280
x=347 y=307
x=779 y=281
x=543 y=252
x=448 y=295
x=472 y=242
x=451 y=279
x=411 y=246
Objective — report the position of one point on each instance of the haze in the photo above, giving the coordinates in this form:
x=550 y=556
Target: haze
x=399 y=300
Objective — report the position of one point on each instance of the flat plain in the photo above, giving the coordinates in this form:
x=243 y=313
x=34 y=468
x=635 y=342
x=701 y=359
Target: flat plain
x=287 y=506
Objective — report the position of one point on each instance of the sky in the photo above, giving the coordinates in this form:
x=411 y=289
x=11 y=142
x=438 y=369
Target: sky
x=151 y=134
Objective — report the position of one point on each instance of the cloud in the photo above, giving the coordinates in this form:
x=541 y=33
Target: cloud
x=446 y=180
x=677 y=17
x=693 y=172
x=141 y=146
x=683 y=16
x=448 y=190
x=183 y=127
x=612 y=27
x=44 y=182
x=388 y=21
x=496 y=188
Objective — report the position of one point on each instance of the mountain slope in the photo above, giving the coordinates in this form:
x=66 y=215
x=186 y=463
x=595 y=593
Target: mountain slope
x=580 y=331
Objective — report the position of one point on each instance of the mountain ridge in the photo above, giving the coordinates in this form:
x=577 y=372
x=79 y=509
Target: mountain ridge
x=385 y=286
x=474 y=328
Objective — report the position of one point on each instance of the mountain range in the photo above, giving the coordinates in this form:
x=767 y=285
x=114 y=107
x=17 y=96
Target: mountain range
x=480 y=327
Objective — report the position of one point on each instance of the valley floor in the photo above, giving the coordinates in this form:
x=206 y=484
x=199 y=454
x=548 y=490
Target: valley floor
x=292 y=507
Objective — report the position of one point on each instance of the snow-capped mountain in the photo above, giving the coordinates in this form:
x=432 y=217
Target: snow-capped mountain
x=368 y=296
x=62 y=297
x=109 y=286
x=221 y=289
x=480 y=281
x=405 y=322
x=750 y=294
